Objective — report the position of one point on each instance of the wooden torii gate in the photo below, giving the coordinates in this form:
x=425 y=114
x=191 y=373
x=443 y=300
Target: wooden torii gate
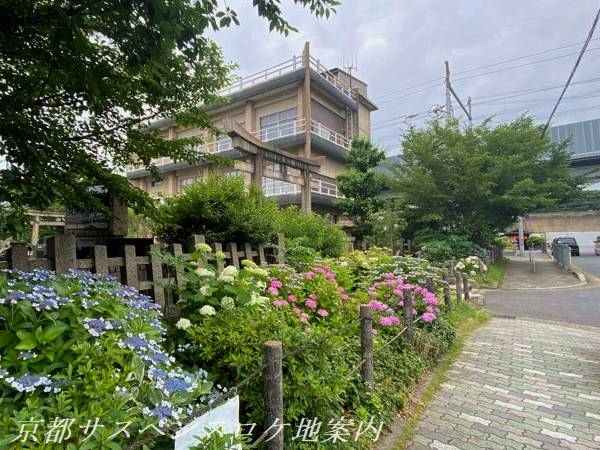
x=265 y=160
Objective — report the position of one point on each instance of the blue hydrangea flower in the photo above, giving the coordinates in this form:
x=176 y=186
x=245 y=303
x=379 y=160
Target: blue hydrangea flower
x=97 y=327
x=164 y=412
x=138 y=343
x=158 y=357
x=175 y=382
x=30 y=382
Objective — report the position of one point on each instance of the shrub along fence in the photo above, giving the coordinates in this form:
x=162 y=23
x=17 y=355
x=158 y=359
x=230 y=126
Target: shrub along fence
x=138 y=266
x=274 y=354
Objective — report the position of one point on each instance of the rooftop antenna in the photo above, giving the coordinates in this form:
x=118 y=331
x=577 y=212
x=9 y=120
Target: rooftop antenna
x=350 y=67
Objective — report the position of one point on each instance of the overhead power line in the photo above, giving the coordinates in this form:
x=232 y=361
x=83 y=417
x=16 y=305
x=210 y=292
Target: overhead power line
x=579 y=58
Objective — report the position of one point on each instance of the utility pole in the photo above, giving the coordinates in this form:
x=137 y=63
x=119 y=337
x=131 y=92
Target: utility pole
x=450 y=92
x=470 y=115
x=449 y=110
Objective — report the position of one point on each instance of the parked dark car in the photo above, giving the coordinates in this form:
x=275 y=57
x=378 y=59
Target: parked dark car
x=570 y=241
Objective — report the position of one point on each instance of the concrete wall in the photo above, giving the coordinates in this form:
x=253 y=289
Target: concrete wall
x=584 y=226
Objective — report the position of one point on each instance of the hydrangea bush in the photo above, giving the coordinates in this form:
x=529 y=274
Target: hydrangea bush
x=387 y=298
x=472 y=265
x=84 y=349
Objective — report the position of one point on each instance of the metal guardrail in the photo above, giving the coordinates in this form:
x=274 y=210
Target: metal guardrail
x=562 y=255
x=329 y=77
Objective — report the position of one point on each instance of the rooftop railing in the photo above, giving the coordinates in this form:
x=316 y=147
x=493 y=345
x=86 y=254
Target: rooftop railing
x=288 y=66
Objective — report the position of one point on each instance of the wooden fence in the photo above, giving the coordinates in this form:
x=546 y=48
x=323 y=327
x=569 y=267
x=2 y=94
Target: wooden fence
x=143 y=270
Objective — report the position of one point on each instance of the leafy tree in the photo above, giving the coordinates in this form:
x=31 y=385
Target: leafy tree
x=80 y=79
x=476 y=182
x=362 y=186
x=221 y=208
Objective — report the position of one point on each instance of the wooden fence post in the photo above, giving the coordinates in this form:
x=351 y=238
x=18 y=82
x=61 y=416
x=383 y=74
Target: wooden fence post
x=261 y=255
x=273 y=373
x=466 y=288
x=19 y=257
x=235 y=257
x=131 y=269
x=429 y=284
x=219 y=261
x=64 y=252
x=280 y=248
x=447 y=296
x=157 y=276
x=458 y=284
x=101 y=259
x=366 y=345
x=408 y=313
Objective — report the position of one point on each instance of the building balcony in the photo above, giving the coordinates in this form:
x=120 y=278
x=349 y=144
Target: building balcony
x=323 y=192
x=292 y=133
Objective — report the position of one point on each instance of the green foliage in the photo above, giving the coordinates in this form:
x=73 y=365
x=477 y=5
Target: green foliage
x=221 y=208
x=80 y=79
x=362 y=185
x=475 y=182
x=83 y=369
x=442 y=248
x=388 y=224
x=312 y=231
x=535 y=241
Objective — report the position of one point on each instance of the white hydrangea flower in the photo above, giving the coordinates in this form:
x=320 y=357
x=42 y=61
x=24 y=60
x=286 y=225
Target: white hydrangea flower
x=229 y=271
x=183 y=323
x=207 y=310
x=205 y=290
x=227 y=303
x=204 y=272
x=204 y=248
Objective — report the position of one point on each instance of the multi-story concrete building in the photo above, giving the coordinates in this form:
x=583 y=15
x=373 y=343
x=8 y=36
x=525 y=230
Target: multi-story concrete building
x=298 y=108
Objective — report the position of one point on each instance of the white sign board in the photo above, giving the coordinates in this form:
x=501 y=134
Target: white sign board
x=225 y=417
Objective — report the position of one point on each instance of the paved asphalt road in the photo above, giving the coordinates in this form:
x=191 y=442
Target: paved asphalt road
x=590 y=264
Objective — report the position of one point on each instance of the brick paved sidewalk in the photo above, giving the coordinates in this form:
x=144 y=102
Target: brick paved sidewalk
x=519 y=384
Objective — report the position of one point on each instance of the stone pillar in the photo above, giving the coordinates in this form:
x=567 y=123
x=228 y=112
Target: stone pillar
x=250 y=117
x=35 y=231
x=306 y=107
x=258 y=169
x=521 y=237
x=306 y=193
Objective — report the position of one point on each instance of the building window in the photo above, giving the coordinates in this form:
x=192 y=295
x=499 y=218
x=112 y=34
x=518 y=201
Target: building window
x=187 y=181
x=279 y=124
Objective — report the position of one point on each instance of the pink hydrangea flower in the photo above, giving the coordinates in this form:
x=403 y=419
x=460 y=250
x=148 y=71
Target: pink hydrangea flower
x=280 y=303
x=276 y=283
x=292 y=298
x=273 y=290
x=376 y=305
x=389 y=321
x=303 y=317
x=309 y=275
x=428 y=317
x=323 y=312
x=311 y=304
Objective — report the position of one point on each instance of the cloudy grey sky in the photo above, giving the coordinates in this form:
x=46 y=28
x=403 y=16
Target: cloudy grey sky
x=510 y=56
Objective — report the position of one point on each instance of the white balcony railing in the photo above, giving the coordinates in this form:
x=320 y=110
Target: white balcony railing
x=281 y=129
x=293 y=128
x=275 y=188
x=330 y=135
